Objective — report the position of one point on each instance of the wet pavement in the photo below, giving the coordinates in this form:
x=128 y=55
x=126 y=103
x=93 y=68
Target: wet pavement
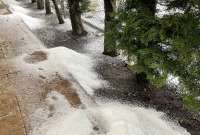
x=11 y=121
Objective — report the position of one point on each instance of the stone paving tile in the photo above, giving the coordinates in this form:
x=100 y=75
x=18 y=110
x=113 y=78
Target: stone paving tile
x=11 y=122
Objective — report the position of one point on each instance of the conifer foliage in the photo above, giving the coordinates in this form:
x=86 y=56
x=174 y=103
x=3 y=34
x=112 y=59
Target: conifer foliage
x=84 y=5
x=161 y=45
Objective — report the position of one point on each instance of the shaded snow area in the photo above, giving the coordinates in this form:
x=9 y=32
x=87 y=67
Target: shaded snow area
x=96 y=15
x=64 y=62
x=35 y=19
x=117 y=119
x=16 y=9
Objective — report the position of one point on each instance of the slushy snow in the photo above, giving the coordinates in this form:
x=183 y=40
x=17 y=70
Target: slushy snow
x=118 y=119
x=68 y=64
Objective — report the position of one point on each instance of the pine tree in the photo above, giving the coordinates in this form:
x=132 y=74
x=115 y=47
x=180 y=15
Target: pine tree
x=40 y=4
x=75 y=17
x=161 y=45
x=59 y=15
x=48 y=7
x=84 y=5
x=110 y=10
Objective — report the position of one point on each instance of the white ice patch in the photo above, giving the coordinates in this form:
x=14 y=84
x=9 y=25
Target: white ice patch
x=66 y=63
x=118 y=119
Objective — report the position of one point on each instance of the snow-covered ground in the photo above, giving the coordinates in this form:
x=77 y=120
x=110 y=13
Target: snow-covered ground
x=96 y=17
x=105 y=118
x=117 y=119
x=65 y=62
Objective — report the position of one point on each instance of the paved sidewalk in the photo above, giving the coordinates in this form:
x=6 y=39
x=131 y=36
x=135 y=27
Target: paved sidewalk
x=3 y=9
x=23 y=91
x=11 y=121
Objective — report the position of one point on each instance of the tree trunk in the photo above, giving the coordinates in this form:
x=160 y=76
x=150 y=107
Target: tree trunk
x=59 y=15
x=40 y=4
x=48 y=7
x=75 y=16
x=33 y=1
x=110 y=9
x=62 y=2
x=147 y=7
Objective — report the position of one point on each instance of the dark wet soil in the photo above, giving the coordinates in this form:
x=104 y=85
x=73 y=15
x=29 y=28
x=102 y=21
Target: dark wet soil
x=122 y=82
x=125 y=88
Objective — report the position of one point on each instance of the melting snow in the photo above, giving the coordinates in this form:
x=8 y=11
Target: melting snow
x=16 y=8
x=62 y=120
x=66 y=63
x=117 y=118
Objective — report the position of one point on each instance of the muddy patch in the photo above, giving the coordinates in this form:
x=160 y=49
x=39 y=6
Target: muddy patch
x=64 y=87
x=36 y=57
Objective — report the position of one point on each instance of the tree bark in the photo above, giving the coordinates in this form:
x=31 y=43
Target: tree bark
x=110 y=9
x=75 y=16
x=59 y=15
x=40 y=4
x=48 y=7
x=147 y=7
x=33 y=1
x=62 y=2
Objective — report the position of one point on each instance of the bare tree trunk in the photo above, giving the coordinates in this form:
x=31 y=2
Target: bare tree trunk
x=75 y=16
x=40 y=4
x=47 y=7
x=62 y=2
x=59 y=15
x=33 y=1
x=110 y=9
